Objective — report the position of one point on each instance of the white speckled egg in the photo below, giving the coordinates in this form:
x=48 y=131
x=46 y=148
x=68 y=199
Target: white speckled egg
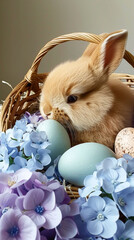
x=57 y=136
x=124 y=142
x=81 y=160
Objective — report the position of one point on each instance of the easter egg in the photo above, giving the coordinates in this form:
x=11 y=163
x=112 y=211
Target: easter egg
x=57 y=136
x=124 y=142
x=81 y=160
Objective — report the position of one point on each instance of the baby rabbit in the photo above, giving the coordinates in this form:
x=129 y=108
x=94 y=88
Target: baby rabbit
x=85 y=96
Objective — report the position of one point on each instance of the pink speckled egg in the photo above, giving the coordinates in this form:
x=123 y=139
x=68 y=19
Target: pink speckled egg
x=124 y=142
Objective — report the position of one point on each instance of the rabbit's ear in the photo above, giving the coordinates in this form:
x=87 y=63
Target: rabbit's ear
x=110 y=52
x=92 y=46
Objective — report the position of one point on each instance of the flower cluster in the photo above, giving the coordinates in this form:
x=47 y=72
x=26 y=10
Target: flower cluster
x=23 y=146
x=31 y=207
x=107 y=195
x=36 y=206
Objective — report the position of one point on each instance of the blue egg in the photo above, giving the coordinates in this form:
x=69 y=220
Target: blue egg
x=81 y=160
x=57 y=136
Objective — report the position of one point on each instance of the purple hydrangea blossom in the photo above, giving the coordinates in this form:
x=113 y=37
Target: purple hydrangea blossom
x=33 y=119
x=16 y=179
x=67 y=229
x=100 y=214
x=32 y=195
x=39 y=180
x=41 y=207
x=14 y=225
x=4 y=188
x=7 y=201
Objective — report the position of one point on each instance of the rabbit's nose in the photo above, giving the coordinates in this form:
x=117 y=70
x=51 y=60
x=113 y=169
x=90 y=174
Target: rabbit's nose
x=47 y=110
x=49 y=115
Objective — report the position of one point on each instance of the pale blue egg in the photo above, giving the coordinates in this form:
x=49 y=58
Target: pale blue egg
x=81 y=160
x=57 y=136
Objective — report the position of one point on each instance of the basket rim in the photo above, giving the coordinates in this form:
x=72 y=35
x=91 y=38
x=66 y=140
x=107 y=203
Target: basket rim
x=32 y=79
x=78 y=36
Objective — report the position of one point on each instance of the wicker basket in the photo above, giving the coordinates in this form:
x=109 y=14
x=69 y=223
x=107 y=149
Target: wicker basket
x=25 y=96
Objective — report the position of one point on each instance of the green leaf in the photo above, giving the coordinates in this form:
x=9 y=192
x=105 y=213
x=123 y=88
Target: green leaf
x=14 y=139
x=11 y=161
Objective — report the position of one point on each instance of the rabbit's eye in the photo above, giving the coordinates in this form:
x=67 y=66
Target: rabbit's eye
x=72 y=99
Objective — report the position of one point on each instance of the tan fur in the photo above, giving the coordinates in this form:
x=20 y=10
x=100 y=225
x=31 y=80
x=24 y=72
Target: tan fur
x=104 y=104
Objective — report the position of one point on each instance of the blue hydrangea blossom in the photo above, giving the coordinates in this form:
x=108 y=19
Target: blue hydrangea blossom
x=92 y=186
x=100 y=214
x=22 y=148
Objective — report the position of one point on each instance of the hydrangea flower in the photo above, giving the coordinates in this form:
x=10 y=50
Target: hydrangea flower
x=16 y=179
x=23 y=146
x=127 y=162
x=33 y=141
x=4 y=158
x=7 y=201
x=19 y=162
x=14 y=225
x=14 y=137
x=33 y=164
x=40 y=206
x=33 y=119
x=92 y=186
x=52 y=171
x=112 y=179
x=100 y=214
x=107 y=163
x=124 y=231
x=3 y=140
x=21 y=124
x=41 y=200
x=112 y=173
x=125 y=201
x=67 y=229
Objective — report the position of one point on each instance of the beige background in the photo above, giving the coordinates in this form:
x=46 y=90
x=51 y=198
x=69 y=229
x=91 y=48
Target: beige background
x=26 y=25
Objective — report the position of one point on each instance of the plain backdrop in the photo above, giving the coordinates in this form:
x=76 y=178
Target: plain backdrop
x=27 y=25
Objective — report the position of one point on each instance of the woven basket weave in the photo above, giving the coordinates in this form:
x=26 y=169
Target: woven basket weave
x=25 y=96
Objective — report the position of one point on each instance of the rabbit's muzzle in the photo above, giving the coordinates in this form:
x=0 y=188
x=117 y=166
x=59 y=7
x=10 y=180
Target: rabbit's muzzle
x=62 y=117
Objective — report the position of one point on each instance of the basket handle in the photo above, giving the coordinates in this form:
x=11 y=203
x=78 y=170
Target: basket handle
x=93 y=38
